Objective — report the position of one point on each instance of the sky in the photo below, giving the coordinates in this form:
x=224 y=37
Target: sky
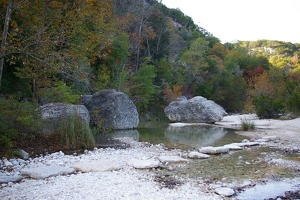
x=231 y=20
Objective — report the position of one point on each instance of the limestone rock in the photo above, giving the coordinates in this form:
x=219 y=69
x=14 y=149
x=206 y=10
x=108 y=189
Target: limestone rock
x=6 y=179
x=195 y=110
x=214 y=150
x=195 y=154
x=246 y=144
x=24 y=154
x=113 y=110
x=54 y=113
x=97 y=166
x=43 y=172
x=143 y=164
x=225 y=191
x=233 y=147
x=171 y=159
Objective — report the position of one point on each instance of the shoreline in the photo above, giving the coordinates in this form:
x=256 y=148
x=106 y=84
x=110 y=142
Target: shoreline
x=128 y=182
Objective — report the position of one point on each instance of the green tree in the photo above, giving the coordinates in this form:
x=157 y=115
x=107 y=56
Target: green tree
x=143 y=89
x=195 y=61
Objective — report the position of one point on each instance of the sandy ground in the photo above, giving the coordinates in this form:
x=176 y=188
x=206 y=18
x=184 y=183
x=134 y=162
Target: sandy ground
x=287 y=130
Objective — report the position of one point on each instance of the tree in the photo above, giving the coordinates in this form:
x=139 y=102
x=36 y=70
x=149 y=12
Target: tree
x=55 y=40
x=9 y=9
x=143 y=88
x=194 y=60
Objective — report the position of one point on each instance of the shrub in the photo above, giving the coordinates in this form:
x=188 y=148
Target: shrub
x=75 y=133
x=60 y=93
x=247 y=125
x=293 y=103
x=266 y=107
x=17 y=119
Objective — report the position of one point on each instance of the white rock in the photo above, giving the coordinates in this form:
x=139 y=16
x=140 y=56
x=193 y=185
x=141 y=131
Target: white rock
x=46 y=171
x=195 y=154
x=7 y=163
x=246 y=144
x=97 y=166
x=261 y=140
x=224 y=191
x=245 y=141
x=6 y=179
x=24 y=154
x=143 y=164
x=270 y=138
x=233 y=147
x=214 y=150
x=171 y=159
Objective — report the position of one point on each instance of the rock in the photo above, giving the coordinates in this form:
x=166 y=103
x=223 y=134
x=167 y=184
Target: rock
x=113 y=110
x=246 y=144
x=85 y=99
x=195 y=110
x=171 y=159
x=7 y=163
x=97 y=166
x=270 y=138
x=214 y=150
x=43 y=172
x=6 y=179
x=195 y=154
x=24 y=154
x=54 y=113
x=143 y=164
x=233 y=147
x=224 y=191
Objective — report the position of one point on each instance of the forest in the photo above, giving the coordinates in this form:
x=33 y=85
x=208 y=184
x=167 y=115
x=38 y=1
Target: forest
x=58 y=50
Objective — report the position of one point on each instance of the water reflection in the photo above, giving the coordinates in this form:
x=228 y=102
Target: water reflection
x=195 y=136
x=112 y=139
x=175 y=137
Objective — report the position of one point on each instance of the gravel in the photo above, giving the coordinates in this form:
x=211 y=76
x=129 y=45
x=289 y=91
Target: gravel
x=126 y=183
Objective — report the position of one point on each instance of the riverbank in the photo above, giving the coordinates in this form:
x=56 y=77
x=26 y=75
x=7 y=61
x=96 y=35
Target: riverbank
x=104 y=173
x=287 y=130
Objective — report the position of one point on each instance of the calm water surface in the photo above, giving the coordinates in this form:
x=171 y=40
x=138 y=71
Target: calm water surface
x=188 y=137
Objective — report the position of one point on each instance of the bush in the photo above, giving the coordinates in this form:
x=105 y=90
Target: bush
x=266 y=107
x=17 y=119
x=60 y=93
x=247 y=125
x=293 y=103
x=75 y=133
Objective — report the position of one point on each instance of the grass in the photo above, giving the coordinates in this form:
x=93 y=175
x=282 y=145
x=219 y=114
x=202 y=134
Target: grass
x=247 y=125
x=74 y=133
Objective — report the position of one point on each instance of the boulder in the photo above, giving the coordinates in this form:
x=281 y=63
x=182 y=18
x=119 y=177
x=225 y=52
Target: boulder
x=195 y=110
x=113 y=110
x=54 y=113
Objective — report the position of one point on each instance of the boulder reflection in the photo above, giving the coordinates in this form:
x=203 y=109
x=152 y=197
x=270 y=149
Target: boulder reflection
x=116 y=138
x=195 y=136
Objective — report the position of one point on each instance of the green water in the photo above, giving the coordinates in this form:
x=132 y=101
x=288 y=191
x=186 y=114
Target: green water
x=188 y=137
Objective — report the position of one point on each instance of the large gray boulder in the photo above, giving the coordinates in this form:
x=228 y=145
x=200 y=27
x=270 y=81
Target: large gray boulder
x=195 y=110
x=113 y=110
x=55 y=113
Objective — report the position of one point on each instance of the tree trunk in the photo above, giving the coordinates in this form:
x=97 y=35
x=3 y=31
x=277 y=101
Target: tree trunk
x=4 y=37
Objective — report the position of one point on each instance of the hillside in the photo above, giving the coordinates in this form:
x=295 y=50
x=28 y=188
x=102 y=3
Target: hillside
x=55 y=51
